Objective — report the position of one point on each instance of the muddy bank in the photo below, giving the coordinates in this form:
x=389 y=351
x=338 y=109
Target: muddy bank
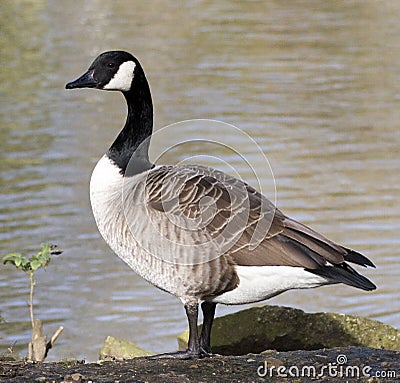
x=356 y=364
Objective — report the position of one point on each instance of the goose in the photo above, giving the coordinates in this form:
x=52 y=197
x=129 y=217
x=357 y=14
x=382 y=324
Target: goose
x=196 y=232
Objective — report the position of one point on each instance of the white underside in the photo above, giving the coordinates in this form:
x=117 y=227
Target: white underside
x=258 y=283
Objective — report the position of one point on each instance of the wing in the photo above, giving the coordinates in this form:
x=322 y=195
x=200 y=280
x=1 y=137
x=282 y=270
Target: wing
x=246 y=225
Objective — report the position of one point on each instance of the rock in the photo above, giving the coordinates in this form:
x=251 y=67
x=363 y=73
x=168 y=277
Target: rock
x=114 y=348
x=74 y=378
x=285 y=329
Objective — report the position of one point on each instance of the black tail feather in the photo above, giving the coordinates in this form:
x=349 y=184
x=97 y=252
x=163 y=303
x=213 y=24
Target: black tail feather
x=358 y=258
x=344 y=273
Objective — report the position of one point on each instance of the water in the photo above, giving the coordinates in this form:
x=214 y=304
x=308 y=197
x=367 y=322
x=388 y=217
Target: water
x=314 y=83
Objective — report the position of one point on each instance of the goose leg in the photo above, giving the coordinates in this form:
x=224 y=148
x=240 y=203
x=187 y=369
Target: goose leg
x=192 y=312
x=208 y=309
x=193 y=350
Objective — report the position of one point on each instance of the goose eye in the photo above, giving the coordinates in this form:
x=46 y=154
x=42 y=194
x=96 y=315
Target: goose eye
x=111 y=65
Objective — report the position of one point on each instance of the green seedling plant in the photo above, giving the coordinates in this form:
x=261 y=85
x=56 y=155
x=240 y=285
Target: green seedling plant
x=38 y=348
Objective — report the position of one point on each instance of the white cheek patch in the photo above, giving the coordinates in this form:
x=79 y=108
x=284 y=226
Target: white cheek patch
x=122 y=80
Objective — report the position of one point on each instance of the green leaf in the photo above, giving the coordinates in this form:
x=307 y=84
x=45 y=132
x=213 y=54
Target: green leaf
x=10 y=258
x=35 y=264
x=25 y=264
x=12 y=255
x=18 y=260
x=43 y=259
x=46 y=249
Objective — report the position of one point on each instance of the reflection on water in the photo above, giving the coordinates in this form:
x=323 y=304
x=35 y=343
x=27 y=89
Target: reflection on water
x=314 y=83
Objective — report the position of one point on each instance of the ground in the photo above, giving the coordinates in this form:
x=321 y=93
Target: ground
x=344 y=364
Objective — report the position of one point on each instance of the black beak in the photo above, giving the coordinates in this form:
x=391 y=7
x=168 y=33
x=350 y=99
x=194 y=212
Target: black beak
x=85 y=81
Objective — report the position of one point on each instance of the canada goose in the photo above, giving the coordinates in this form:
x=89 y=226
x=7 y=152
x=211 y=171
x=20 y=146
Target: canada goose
x=194 y=231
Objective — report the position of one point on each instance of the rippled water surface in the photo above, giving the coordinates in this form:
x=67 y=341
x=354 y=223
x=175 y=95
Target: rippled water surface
x=315 y=84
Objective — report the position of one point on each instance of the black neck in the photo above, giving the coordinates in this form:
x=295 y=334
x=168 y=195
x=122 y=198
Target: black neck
x=134 y=138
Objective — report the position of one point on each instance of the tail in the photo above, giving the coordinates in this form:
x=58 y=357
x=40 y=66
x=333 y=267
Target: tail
x=344 y=273
x=331 y=258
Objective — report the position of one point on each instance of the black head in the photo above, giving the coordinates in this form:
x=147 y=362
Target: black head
x=114 y=70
